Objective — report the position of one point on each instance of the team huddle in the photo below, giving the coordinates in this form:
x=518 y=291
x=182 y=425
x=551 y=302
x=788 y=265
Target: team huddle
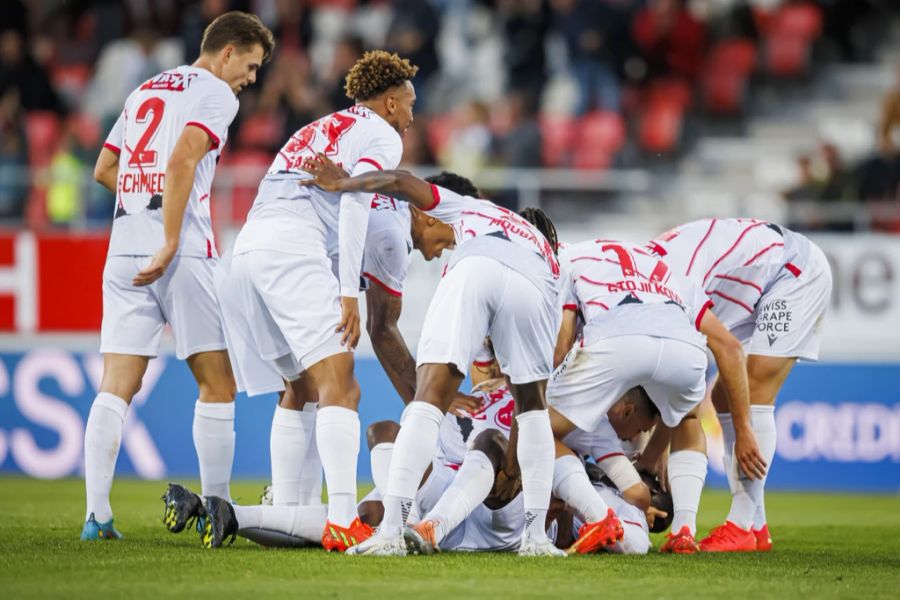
x=589 y=359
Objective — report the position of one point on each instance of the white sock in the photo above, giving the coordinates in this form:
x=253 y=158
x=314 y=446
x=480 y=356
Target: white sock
x=572 y=486
x=292 y=432
x=305 y=522
x=470 y=487
x=380 y=456
x=337 y=436
x=536 y=452
x=311 y=474
x=687 y=472
x=759 y=518
x=413 y=451
x=748 y=495
x=102 y=438
x=214 y=440
x=728 y=437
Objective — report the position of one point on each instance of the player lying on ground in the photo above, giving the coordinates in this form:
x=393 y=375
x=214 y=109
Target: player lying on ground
x=159 y=160
x=501 y=262
x=281 y=300
x=643 y=327
x=770 y=288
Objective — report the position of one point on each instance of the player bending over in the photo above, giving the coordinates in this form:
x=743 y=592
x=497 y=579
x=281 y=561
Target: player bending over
x=159 y=159
x=503 y=282
x=642 y=327
x=770 y=288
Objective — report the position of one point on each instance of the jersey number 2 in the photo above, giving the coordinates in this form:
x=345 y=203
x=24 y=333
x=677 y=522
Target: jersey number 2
x=151 y=110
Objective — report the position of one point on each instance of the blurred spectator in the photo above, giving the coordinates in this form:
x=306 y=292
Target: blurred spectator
x=13 y=158
x=879 y=176
x=194 y=22
x=294 y=30
x=346 y=53
x=671 y=40
x=67 y=177
x=20 y=72
x=416 y=150
x=125 y=64
x=521 y=145
x=468 y=149
x=286 y=90
x=587 y=26
x=525 y=27
x=412 y=34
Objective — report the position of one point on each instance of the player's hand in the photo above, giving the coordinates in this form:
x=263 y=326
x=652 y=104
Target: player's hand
x=506 y=486
x=464 y=405
x=658 y=467
x=157 y=266
x=748 y=456
x=652 y=512
x=326 y=174
x=349 y=322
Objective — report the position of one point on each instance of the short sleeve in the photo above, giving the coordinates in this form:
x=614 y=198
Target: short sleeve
x=382 y=153
x=115 y=139
x=567 y=291
x=447 y=205
x=386 y=257
x=213 y=113
x=693 y=296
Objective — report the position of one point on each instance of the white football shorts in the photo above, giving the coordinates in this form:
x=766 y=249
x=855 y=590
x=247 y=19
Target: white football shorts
x=480 y=296
x=593 y=378
x=184 y=297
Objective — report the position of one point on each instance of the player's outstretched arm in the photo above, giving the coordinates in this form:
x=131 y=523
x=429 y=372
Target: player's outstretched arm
x=399 y=184
x=732 y=365
x=106 y=171
x=383 y=313
x=566 y=337
x=189 y=150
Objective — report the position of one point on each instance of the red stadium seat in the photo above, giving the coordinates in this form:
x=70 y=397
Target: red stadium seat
x=262 y=131
x=787 y=56
x=738 y=54
x=599 y=136
x=801 y=20
x=675 y=91
x=725 y=78
x=71 y=80
x=558 y=136
x=43 y=131
x=660 y=126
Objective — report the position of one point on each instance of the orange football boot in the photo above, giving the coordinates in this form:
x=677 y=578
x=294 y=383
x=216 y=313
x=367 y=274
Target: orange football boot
x=682 y=542
x=337 y=539
x=763 y=539
x=600 y=534
x=729 y=538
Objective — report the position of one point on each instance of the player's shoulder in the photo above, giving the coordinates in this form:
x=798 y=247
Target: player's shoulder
x=388 y=214
x=370 y=125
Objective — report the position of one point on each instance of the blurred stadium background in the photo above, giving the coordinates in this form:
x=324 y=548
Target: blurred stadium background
x=621 y=118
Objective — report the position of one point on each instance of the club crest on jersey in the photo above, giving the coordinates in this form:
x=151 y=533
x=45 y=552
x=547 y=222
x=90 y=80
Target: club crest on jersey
x=170 y=81
x=380 y=202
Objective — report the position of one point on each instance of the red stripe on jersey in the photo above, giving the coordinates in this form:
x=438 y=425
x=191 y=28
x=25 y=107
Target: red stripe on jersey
x=657 y=249
x=587 y=258
x=739 y=280
x=595 y=303
x=730 y=299
x=697 y=249
x=763 y=251
x=701 y=314
x=793 y=269
x=208 y=249
x=382 y=285
x=610 y=455
x=635 y=523
x=436 y=194
x=213 y=138
x=482 y=363
x=372 y=162
x=730 y=250
x=659 y=272
x=572 y=307
x=112 y=148
x=592 y=282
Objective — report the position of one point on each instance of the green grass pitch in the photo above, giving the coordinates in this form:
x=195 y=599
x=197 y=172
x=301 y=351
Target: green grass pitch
x=825 y=546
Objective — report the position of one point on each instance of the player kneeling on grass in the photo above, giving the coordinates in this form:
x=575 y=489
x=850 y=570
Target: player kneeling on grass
x=643 y=327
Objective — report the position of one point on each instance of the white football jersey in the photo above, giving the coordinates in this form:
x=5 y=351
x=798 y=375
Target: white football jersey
x=482 y=228
x=497 y=411
x=734 y=260
x=605 y=277
x=144 y=137
x=388 y=245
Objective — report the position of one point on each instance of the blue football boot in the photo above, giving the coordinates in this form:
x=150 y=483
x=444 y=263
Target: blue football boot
x=99 y=531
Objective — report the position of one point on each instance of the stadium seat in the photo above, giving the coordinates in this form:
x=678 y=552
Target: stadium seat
x=599 y=136
x=726 y=76
x=246 y=169
x=261 y=131
x=439 y=129
x=671 y=90
x=43 y=130
x=660 y=124
x=71 y=80
x=557 y=133
x=789 y=37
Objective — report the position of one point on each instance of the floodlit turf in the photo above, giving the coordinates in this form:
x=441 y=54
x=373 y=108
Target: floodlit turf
x=825 y=546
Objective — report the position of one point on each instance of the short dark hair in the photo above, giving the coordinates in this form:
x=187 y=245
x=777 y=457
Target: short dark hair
x=239 y=29
x=376 y=72
x=454 y=183
x=641 y=399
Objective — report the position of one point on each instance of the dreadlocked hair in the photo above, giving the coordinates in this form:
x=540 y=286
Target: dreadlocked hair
x=539 y=219
x=376 y=72
x=454 y=183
